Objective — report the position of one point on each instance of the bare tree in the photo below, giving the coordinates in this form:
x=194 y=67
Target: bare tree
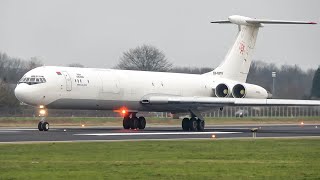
x=7 y=97
x=12 y=69
x=315 y=90
x=144 y=58
x=34 y=62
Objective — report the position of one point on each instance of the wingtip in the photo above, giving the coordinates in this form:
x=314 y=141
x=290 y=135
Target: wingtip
x=313 y=23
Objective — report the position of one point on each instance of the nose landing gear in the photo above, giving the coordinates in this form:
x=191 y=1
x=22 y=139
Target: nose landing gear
x=43 y=125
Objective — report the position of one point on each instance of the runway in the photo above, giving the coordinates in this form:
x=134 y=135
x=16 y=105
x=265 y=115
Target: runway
x=25 y=135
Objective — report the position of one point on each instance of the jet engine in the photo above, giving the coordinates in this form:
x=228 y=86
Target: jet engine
x=222 y=90
x=246 y=90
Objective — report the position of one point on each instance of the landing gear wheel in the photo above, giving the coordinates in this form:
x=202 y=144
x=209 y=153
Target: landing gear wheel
x=142 y=122
x=185 y=124
x=126 y=123
x=134 y=123
x=193 y=125
x=40 y=126
x=200 y=125
x=45 y=126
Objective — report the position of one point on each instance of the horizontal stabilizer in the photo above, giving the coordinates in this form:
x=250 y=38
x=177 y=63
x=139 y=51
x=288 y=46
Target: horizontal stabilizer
x=264 y=21
x=241 y=20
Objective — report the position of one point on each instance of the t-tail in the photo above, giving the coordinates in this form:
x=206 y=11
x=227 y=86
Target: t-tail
x=237 y=62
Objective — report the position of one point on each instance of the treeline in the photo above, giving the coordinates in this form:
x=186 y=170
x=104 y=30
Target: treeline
x=191 y=70
x=291 y=82
x=11 y=70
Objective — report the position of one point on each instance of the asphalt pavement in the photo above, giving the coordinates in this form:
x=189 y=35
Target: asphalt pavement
x=71 y=134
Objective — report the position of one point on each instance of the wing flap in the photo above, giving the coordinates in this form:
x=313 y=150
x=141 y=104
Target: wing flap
x=215 y=101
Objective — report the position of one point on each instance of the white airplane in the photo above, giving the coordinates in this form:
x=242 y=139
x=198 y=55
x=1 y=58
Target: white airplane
x=128 y=92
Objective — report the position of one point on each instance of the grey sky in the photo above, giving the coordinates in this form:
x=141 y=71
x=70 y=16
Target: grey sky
x=95 y=33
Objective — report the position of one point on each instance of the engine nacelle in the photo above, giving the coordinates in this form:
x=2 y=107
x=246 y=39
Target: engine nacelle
x=246 y=90
x=222 y=90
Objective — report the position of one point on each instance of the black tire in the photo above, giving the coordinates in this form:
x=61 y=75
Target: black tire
x=45 y=126
x=134 y=123
x=200 y=125
x=142 y=122
x=185 y=124
x=126 y=123
x=193 y=125
x=40 y=126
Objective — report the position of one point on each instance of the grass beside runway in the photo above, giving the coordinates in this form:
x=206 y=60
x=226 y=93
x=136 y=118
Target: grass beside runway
x=103 y=121
x=205 y=159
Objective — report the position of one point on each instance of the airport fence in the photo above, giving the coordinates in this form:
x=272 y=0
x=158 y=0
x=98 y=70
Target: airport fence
x=227 y=112
x=262 y=112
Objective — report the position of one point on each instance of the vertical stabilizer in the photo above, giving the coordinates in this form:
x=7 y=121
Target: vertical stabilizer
x=237 y=62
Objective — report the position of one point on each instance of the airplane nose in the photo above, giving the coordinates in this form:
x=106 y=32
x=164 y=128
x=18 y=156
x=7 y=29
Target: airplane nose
x=19 y=93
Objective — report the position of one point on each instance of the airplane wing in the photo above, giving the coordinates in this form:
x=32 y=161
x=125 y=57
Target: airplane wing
x=216 y=101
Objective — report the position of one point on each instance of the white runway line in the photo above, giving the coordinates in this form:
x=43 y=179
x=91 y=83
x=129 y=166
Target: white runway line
x=156 y=133
x=9 y=131
x=17 y=129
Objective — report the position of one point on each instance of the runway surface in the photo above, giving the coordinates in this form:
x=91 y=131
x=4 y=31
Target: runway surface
x=14 y=135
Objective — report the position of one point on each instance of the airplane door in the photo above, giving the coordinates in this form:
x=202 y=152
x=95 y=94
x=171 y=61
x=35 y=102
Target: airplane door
x=68 y=81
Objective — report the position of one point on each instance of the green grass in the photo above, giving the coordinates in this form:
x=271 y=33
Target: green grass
x=205 y=159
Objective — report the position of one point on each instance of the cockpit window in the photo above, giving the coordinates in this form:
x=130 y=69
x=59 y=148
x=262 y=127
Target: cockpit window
x=34 y=79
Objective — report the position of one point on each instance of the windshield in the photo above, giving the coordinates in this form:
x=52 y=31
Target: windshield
x=32 y=80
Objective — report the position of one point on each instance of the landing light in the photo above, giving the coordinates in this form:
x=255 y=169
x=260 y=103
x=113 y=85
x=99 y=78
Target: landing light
x=302 y=123
x=213 y=136
x=82 y=125
x=41 y=106
x=42 y=112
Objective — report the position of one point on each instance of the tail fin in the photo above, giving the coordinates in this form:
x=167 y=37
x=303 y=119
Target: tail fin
x=238 y=60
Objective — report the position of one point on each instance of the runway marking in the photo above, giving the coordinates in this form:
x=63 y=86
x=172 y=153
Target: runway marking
x=18 y=129
x=9 y=131
x=157 y=133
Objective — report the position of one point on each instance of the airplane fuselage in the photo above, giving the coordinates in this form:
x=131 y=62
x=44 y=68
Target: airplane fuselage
x=107 y=89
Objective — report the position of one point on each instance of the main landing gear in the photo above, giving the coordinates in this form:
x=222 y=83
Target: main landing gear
x=193 y=124
x=134 y=122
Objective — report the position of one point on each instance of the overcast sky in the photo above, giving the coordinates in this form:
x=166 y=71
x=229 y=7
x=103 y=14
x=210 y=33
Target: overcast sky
x=96 y=32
